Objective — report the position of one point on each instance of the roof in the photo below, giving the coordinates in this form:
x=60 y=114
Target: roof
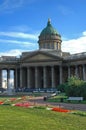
x=51 y=53
x=49 y=30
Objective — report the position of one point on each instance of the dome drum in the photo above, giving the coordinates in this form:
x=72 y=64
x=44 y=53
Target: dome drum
x=50 y=37
x=49 y=40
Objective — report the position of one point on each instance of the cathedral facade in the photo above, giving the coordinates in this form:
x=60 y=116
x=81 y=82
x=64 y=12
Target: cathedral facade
x=45 y=68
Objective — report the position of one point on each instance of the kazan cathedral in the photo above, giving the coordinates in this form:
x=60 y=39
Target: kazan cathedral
x=46 y=67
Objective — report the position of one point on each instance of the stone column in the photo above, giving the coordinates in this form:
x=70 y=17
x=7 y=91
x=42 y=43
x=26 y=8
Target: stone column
x=44 y=77
x=15 y=78
x=69 y=74
x=36 y=77
x=76 y=71
x=52 y=77
x=9 y=85
x=60 y=70
x=0 y=78
x=21 y=77
x=84 y=74
x=28 y=77
x=8 y=79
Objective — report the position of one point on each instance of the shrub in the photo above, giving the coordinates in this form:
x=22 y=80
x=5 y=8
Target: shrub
x=75 y=87
x=61 y=87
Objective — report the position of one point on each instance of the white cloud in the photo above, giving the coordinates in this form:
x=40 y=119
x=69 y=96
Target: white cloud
x=8 y=6
x=12 y=53
x=20 y=35
x=20 y=28
x=84 y=33
x=75 y=45
x=21 y=43
x=15 y=52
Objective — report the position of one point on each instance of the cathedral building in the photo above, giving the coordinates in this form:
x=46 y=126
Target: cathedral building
x=46 y=67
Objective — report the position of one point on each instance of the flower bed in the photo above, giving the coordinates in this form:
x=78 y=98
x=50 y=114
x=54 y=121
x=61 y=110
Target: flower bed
x=1 y=102
x=58 y=109
x=11 y=101
x=23 y=104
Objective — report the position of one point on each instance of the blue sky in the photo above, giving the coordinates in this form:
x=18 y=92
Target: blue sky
x=21 y=22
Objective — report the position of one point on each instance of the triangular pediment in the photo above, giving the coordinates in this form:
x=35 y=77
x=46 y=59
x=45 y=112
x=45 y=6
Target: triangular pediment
x=40 y=57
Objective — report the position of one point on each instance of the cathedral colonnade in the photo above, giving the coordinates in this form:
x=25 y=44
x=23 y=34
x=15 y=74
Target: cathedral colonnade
x=42 y=76
x=31 y=77
x=49 y=76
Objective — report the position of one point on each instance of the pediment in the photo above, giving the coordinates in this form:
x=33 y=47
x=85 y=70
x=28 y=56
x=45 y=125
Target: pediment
x=39 y=57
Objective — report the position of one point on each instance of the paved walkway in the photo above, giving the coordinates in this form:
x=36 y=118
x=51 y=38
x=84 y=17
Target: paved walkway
x=70 y=106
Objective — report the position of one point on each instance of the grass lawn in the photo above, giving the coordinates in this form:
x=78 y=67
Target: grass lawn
x=58 y=99
x=17 y=118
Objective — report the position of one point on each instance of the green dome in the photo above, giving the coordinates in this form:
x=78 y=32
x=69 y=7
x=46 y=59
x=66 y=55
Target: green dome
x=49 y=30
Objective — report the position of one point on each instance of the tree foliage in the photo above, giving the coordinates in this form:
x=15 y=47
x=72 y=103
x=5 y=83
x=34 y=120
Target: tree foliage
x=74 y=87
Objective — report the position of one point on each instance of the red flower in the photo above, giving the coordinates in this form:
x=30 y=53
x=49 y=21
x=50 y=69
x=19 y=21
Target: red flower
x=1 y=102
x=58 y=109
x=25 y=104
x=18 y=104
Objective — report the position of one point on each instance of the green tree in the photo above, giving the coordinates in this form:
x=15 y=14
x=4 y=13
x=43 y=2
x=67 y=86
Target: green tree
x=74 y=87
